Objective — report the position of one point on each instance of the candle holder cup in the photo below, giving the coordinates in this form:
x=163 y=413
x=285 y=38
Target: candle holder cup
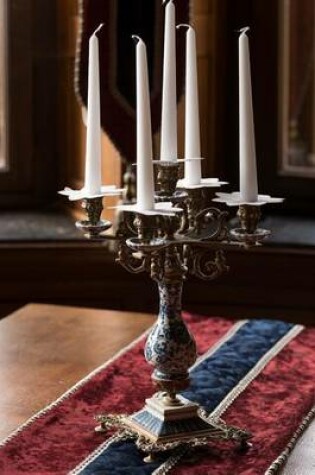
x=93 y=226
x=249 y=233
x=166 y=179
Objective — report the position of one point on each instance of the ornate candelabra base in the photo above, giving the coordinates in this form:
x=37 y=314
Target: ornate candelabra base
x=165 y=424
x=163 y=421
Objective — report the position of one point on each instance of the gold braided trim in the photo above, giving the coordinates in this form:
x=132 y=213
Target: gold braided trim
x=93 y=455
x=73 y=389
x=171 y=461
x=255 y=371
x=283 y=457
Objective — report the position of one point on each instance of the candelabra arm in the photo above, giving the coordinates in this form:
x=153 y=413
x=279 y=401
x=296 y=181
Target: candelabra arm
x=203 y=265
x=211 y=225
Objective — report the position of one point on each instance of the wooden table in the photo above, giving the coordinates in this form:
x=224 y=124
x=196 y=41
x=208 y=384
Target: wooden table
x=45 y=349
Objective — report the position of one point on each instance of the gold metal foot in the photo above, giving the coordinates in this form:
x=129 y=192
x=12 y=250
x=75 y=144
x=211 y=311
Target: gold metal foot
x=160 y=426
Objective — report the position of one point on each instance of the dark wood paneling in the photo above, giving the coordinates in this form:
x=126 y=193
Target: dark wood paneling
x=31 y=178
x=262 y=16
x=265 y=282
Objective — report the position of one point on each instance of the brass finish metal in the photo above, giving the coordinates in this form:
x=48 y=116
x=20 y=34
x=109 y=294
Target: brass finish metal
x=129 y=181
x=249 y=217
x=170 y=248
x=248 y=234
x=170 y=256
x=212 y=429
x=93 y=226
x=167 y=177
x=195 y=204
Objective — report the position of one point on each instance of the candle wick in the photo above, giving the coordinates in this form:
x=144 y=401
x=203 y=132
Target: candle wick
x=183 y=25
x=98 y=29
x=165 y=2
x=243 y=30
x=136 y=39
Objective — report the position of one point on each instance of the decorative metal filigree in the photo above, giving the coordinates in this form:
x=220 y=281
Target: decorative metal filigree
x=249 y=217
x=205 y=264
x=220 y=431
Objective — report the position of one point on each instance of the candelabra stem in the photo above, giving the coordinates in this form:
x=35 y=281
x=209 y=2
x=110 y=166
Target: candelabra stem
x=170 y=347
x=167 y=420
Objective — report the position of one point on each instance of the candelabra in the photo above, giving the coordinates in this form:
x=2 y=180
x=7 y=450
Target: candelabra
x=188 y=238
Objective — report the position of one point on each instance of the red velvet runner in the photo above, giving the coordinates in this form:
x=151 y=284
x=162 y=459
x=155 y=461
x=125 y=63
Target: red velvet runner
x=272 y=407
x=62 y=437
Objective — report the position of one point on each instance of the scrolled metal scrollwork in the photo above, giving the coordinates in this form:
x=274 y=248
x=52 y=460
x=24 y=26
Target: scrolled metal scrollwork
x=125 y=225
x=202 y=264
x=211 y=224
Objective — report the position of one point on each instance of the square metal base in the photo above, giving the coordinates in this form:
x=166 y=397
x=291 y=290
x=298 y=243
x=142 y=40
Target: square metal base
x=162 y=423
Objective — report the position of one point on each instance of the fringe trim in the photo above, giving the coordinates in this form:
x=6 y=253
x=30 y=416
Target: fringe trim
x=283 y=457
x=255 y=371
x=73 y=389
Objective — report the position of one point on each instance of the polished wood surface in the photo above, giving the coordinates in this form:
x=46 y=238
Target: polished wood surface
x=45 y=349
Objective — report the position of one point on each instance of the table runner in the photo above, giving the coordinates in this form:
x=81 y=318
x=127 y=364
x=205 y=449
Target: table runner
x=258 y=374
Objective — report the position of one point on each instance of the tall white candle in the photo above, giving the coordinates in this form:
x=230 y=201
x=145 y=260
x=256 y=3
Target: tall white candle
x=169 y=109
x=145 y=182
x=248 y=167
x=192 y=121
x=92 y=183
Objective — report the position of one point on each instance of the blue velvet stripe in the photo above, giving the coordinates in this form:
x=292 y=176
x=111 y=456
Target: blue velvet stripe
x=216 y=376
x=120 y=458
x=211 y=381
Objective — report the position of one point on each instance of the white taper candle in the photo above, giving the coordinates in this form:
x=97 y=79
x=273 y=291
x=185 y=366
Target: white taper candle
x=192 y=120
x=169 y=109
x=145 y=182
x=92 y=183
x=248 y=167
